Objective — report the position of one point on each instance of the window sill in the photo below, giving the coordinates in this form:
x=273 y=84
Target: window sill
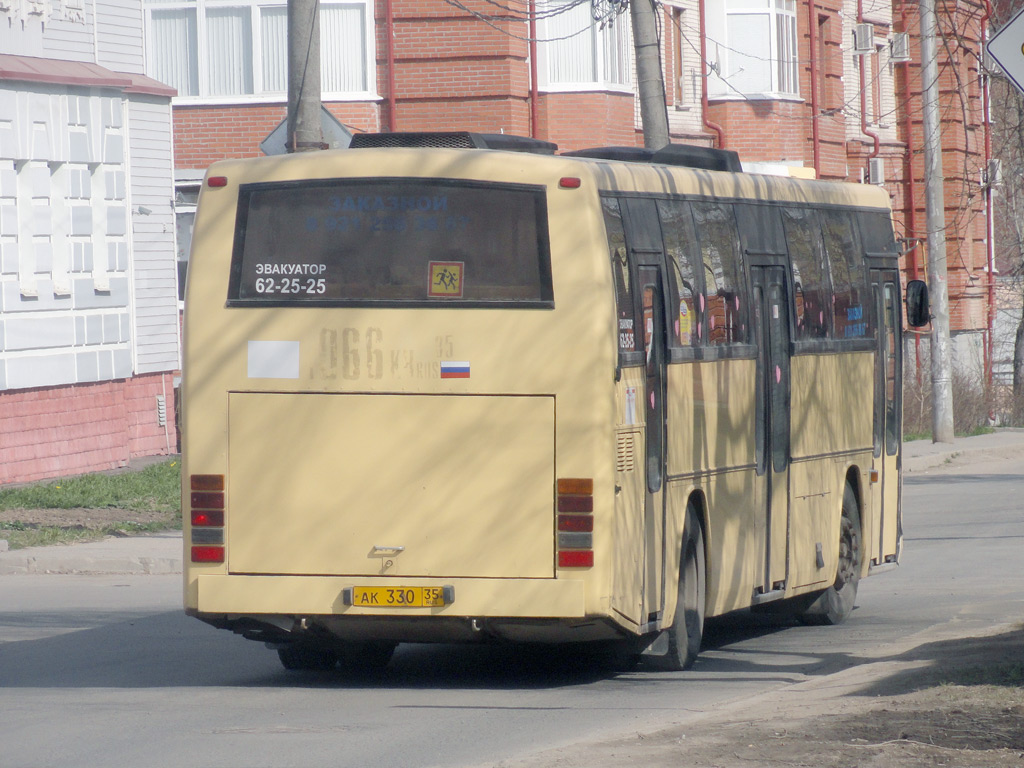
x=264 y=99
x=795 y=98
x=616 y=88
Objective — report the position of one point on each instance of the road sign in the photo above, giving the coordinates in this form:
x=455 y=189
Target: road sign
x=336 y=135
x=1007 y=48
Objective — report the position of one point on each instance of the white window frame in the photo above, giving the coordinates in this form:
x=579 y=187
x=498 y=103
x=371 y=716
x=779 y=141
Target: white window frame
x=555 y=33
x=783 y=65
x=201 y=8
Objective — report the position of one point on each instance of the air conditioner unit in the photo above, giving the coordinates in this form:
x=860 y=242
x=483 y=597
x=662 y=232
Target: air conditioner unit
x=864 y=39
x=876 y=171
x=992 y=174
x=899 y=47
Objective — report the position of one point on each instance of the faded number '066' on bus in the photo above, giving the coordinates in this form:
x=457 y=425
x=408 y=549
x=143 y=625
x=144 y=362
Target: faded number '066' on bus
x=446 y=392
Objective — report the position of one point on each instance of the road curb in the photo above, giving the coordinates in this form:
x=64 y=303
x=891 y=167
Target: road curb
x=159 y=554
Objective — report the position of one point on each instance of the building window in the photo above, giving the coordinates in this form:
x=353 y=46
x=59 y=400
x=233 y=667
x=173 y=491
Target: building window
x=824 y=62
x=875 y=73
x=680 y=96
x=210 y=50
x=753 y=48
x=577 y=53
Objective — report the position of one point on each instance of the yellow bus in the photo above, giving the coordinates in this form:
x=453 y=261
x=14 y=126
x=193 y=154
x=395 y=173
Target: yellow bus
x=456 y=387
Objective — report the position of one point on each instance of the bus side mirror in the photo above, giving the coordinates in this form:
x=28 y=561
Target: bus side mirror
x=917 y=304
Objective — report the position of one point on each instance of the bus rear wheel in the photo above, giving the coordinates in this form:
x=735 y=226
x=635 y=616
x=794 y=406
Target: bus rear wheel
x=835 y=604
x=300 y=656
x=687 y=630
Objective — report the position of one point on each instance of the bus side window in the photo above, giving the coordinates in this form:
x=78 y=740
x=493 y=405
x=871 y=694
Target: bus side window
x=684 y=258
x=849 y=276
x=812 y=286
x=625 y=302
x=724 y=309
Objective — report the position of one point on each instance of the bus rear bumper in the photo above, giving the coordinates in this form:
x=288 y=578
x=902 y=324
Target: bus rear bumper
x=277 y=609
x=534 y=598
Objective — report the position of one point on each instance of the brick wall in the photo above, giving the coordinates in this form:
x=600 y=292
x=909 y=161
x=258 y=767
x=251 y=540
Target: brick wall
x=591 y=119
x=83 y=428
x=203 y=135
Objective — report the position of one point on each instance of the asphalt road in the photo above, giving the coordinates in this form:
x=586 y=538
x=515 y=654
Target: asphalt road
x=107 y=671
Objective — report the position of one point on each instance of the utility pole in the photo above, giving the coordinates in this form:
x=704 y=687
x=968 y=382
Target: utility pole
x=304 y=133
x=650 y=79
x=935 y=223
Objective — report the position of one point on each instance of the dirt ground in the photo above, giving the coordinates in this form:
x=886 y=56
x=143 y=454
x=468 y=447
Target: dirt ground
x=955 y=702
x=79 y=519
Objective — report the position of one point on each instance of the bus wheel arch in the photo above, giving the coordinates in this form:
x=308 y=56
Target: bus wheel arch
x=836 y=603
x=686 y=631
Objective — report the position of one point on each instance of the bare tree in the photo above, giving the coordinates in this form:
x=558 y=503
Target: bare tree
x=1008 y=145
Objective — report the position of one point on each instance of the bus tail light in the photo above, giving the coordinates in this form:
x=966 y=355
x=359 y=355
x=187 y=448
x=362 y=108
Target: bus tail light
x=207 y=554
x=206 y=512
x=576 y=558
x=575 y=522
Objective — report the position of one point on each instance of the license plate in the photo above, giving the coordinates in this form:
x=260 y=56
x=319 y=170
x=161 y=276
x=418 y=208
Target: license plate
x=398 y=597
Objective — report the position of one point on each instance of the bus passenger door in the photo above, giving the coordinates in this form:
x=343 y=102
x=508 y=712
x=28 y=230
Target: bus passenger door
x=885 y=492
x=772 y=423
x=652 y=297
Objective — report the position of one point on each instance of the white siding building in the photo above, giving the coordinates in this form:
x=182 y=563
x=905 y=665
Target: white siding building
x=89 y=332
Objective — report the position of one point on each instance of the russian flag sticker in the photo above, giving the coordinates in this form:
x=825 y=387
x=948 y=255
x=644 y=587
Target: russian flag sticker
x=454 y=369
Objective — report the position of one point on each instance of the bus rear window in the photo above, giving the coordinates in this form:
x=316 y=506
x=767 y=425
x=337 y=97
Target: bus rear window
x=402 y=242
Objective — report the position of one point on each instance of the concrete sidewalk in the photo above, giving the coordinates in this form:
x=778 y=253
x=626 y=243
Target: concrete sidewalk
x=162 y=553
x=154 y=554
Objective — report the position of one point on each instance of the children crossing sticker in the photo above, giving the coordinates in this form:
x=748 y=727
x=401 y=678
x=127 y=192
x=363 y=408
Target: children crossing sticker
x=446 y=279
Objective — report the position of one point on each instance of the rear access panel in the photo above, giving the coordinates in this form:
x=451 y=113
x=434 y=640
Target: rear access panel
x=391 y=485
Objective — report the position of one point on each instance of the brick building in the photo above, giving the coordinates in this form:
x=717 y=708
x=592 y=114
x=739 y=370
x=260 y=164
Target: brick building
x=826 y=88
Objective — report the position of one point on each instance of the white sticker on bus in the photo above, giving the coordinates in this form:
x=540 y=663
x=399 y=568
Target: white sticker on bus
x=273 y=360
x=631 y=405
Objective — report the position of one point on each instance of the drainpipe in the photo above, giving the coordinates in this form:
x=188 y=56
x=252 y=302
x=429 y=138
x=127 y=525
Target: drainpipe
x=704 y=81
x=864 y=94
x=534 y=106
x=812 y=28
x=389 y=34
x=989 y=214
x=911 y=195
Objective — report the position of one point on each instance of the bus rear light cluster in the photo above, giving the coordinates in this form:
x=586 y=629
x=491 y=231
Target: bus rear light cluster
x=206 y=511
x=575 y=505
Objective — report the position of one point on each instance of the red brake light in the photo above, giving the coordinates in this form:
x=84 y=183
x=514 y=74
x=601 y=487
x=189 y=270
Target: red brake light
x=207 y=499
x=207 y=554
x=575 y=503
x=569 y=182
x=217 y=181
x=576 y=558
x=208 y=517
x=575 y=523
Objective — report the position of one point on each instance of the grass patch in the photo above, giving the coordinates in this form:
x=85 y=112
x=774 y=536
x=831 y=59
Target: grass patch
x=155 y=488
x=1009 y=674
x=90 y=507
x=46 y=535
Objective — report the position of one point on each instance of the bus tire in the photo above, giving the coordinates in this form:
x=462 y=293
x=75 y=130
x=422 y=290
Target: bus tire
x=687 y=630
x=835 y=604
x=303 y=657
x=369 y=656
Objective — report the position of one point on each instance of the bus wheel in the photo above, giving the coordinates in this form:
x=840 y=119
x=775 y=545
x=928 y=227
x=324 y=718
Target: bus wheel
x=687 y=630
x=299 y=656
x=836 y=603
x=370 y=656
